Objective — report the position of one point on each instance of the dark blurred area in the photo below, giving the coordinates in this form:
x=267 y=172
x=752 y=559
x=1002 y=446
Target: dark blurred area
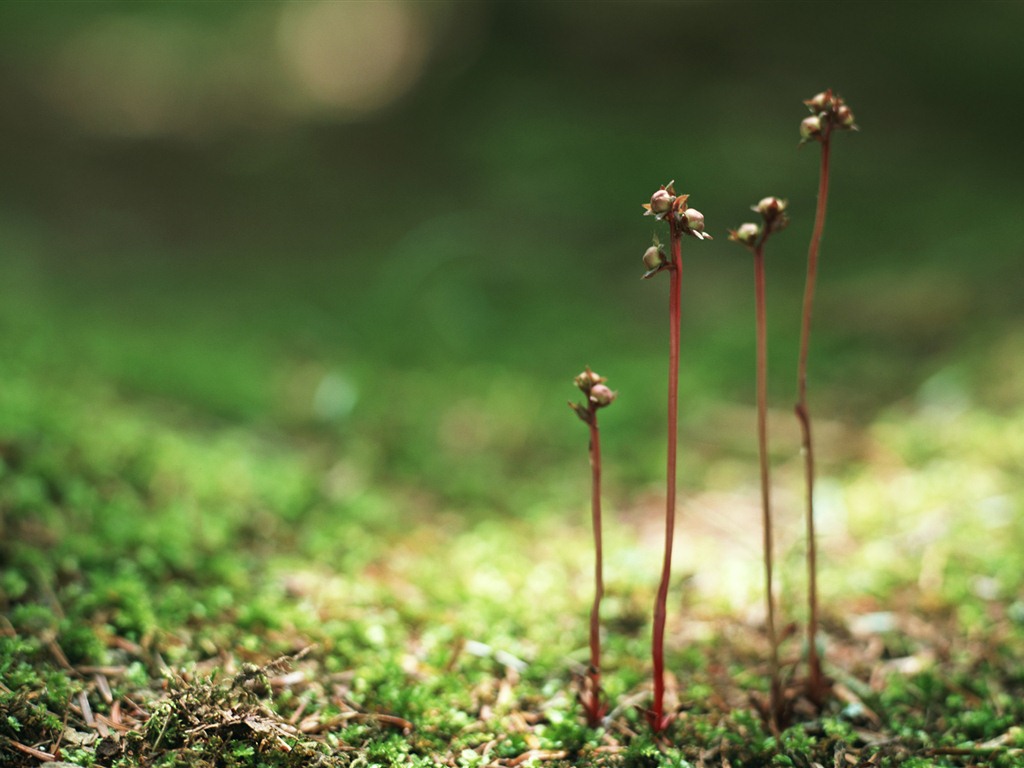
x=426 y=215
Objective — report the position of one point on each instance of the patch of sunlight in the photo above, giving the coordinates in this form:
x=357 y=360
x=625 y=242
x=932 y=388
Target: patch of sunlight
x=129 y=74
x=353 y=57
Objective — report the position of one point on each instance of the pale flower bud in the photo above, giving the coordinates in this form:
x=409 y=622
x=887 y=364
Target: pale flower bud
x=746 y=234
x=821 y=102
x=654 y=257
x=601 y=395
x=770 y=207
x=844 y=117
x=655 y=260
x=773 y=211
x=694 y=219
x=587 y=380
x=810 y=128
x=661 y=201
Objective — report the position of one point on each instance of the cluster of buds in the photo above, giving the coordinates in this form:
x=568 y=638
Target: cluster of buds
x=665 y=203
x=828 y=111
x=774 y=219
x=598 y=395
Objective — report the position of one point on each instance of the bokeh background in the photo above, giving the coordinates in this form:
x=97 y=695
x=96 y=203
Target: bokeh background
x=399 y=229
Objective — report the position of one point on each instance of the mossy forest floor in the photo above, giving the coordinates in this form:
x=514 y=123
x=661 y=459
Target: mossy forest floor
x=182 y=590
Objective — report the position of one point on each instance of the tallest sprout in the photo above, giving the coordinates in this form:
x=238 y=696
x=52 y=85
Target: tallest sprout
x=828 y=113
x=682 y=220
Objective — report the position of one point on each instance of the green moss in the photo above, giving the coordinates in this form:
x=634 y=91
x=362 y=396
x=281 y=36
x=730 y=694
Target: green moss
x=156 y=549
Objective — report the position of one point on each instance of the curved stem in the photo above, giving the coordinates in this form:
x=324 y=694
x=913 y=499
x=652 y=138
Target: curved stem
x=658 y=719
x=815 y=682
x=593 y=704
x=766 y=512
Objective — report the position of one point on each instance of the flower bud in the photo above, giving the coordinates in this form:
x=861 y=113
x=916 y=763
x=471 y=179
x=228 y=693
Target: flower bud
x=810 y=128
x=770 y=207
x=821 y=102
x=654 y=258
x=746 y=234
x=694 y=221
x=844 y=117
x=587 y=380
x=773 y=211
x=661 y=201
x=601 y=395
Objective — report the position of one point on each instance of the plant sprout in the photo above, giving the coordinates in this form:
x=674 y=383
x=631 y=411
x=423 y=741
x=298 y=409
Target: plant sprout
x=598 y=396
x=682 y=220
x=828 y=113
x=754 y=237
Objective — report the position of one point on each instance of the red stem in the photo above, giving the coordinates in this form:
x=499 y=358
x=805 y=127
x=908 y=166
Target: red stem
x=593 y=704
x=658 y=718
x=766 y=512
x=815 y=682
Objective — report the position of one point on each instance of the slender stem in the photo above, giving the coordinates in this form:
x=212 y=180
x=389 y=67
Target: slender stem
x=766 y=512
x=815 y=681
x=593 y=705
x=658 y=719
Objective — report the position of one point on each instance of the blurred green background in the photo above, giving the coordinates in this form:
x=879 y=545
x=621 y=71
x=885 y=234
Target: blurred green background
x=398 y=230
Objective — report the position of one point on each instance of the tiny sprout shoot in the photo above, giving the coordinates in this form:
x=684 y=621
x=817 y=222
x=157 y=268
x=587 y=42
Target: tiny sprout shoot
x=598 y=396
